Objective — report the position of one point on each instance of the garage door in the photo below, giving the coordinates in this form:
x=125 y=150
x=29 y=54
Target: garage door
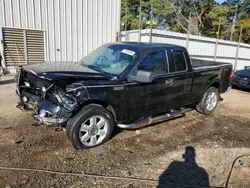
x=23 y=47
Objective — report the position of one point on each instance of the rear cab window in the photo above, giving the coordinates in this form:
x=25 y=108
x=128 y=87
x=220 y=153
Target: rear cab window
x=176 y=61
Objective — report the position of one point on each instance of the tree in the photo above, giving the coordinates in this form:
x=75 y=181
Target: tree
x=218 y=15
x=199 y=17
x=244 y=19
x=160 y=12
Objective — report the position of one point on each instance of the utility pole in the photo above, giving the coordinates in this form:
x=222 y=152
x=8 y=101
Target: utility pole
x=151 y=24
x=188 y=33
x=238 y=48
x=139 y=31
x=126 y=24
x=233 y=25
x=216 y=44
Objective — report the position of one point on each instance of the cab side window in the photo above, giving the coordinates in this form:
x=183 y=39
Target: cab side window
x=154 y=62
x=177 y=61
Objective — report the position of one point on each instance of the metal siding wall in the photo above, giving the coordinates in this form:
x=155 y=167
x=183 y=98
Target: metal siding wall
x=37 y=14
x=16 y=11
x=23 y=14
x=74 y=30
x=199 y=47
x=68 y=29
x=2 y=13
x=105 y=20
x=8 y=13
x=90 y=24
x=63 y=32
x=74 y=27
x=79 y=29
x=51 y=30
x=57 y=29
x=244 y=52
x=85 y=28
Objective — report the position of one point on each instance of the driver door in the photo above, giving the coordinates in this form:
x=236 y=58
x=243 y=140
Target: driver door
x=149 y=99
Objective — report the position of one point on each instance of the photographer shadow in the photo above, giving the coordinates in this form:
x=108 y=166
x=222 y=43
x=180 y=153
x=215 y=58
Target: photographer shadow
x=184 y=174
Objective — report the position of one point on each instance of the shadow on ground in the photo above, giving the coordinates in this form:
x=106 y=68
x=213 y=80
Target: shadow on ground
x=184 y=174
x=4 y=82
x=242 y=89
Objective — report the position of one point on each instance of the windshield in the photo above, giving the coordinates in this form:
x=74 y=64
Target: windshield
x=112 y=59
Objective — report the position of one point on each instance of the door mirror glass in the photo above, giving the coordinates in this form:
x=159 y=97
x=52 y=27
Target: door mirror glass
x=143 y=76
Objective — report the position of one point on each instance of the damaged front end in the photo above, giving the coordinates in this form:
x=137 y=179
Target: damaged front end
x=49 y=101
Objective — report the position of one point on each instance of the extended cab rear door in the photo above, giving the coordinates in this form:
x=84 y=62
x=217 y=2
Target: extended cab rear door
x=180 y=71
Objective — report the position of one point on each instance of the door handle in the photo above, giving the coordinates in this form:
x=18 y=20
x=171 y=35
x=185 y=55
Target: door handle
x=169 y=82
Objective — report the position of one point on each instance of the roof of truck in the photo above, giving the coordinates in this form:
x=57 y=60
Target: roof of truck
x=149 y=45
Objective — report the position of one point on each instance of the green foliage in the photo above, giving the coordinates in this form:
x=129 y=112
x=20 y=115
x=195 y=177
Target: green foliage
x=206 y=15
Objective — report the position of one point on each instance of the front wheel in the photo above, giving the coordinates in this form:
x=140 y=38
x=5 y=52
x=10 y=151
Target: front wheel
x=209 y=101
x=91 y=127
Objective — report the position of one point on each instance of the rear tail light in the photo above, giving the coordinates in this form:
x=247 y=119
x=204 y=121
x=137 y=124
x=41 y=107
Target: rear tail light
x=231 y=75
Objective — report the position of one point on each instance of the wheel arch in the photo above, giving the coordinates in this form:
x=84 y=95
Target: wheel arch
x=215 y=84
x=100 y=103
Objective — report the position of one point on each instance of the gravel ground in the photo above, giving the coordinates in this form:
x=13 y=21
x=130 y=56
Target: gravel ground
x=149 y=157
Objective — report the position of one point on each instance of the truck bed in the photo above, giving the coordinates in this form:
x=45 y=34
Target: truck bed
x=199 y=64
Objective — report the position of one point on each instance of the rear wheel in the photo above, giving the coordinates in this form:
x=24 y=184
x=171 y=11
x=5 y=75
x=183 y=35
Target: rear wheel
x=209 y=101
x=92 y=126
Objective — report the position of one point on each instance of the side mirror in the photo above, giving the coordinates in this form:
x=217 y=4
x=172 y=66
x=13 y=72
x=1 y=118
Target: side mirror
x=245 y=67
x=143 y=76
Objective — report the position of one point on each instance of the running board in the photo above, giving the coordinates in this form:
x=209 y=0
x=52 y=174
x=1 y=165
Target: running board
x=153 y=120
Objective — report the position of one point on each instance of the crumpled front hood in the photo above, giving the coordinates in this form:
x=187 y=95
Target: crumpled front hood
x=64 y=70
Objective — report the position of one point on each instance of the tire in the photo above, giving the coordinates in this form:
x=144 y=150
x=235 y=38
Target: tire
x=209 y=101
x=91 y=127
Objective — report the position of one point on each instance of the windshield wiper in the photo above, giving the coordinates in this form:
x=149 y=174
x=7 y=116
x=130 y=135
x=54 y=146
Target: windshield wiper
x=94 y=68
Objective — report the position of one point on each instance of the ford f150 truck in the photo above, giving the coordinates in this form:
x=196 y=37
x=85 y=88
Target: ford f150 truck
x=120 y=84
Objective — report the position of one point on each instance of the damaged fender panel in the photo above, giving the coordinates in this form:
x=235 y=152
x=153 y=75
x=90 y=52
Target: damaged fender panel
x=51 y=104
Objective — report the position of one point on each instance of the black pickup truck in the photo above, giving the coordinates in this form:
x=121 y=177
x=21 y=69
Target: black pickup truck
x=120 y=84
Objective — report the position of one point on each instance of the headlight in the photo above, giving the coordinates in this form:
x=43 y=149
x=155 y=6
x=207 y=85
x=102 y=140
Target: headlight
x=69 y=103
x=27 y=84
x=44 y=89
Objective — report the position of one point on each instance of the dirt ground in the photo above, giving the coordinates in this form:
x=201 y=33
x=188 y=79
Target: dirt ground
x=216 y=148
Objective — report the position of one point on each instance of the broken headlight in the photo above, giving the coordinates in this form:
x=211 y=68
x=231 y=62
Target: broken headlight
x=66 y=101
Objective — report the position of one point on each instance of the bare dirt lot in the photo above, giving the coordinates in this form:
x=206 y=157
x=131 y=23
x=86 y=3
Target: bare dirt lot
x=148 y=157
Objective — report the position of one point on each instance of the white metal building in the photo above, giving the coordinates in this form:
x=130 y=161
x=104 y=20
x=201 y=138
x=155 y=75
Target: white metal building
x=55 y=30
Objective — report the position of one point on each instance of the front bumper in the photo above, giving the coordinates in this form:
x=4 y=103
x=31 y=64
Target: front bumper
x=43 y=118
x=46 y=111
x=238 y=84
